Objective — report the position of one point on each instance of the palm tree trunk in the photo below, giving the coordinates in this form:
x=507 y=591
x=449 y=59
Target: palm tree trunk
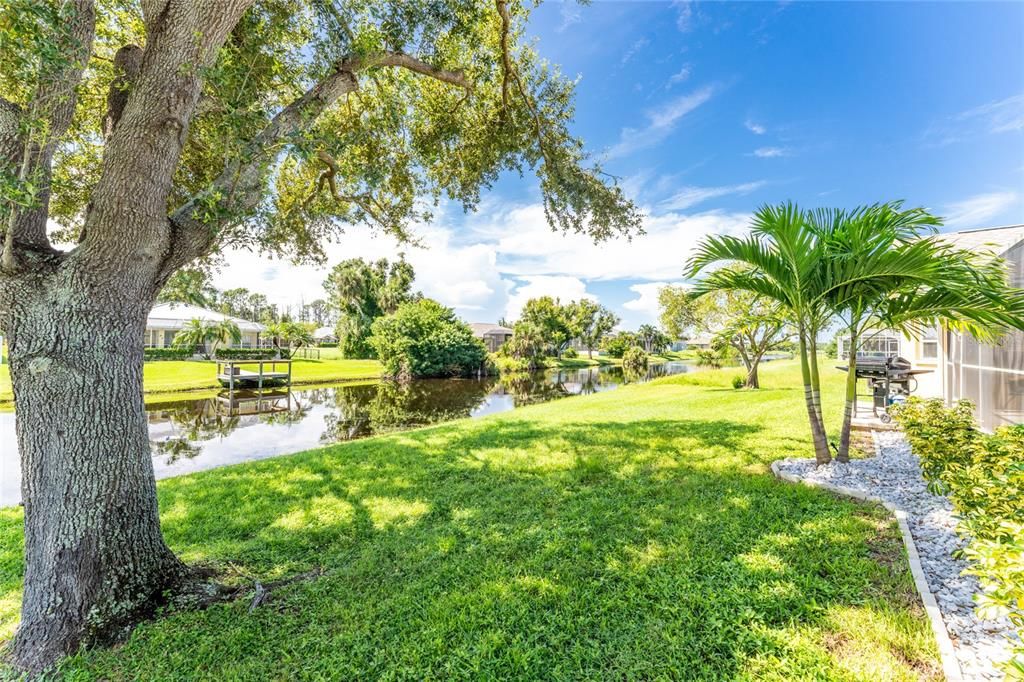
x=821 y=452
x=851 y=392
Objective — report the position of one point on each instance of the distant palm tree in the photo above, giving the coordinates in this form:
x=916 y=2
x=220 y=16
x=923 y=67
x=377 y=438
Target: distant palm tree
x=198 y=333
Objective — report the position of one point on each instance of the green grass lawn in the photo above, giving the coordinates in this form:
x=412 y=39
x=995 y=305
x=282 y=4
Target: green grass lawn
x=168 y=376
x=632 y=534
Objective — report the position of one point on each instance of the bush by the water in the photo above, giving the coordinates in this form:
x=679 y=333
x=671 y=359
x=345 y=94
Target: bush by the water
x=570 y=353
x=616 y=346
x=635 y=358
x=169 y=353
x=245 y=353
x=983 y=475
x=425 y=339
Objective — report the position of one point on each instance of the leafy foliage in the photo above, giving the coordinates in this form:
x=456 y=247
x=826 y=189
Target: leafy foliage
x=289 y=336
x=361 y=292
x=983 y=475
x=423 y=338
x=189 y=285
x=171 y=353
x=617 y=345
x=635 y=359
x=555 y=323
x=652 y=339
x=245 y=353
x=594 y=323
x=207 y=334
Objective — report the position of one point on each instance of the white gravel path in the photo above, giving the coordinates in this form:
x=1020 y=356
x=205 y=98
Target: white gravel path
x=894 y=475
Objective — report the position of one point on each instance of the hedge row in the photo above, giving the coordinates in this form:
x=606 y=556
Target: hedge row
x=983 y=475
x=169 y=353
x=246 y=353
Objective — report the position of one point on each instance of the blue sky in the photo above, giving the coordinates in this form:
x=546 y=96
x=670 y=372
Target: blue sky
x=706 y=110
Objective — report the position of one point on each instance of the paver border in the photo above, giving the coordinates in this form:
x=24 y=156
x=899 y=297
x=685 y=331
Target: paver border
x=950 y=663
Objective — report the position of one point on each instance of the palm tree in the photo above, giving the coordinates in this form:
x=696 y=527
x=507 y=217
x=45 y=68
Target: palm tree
x=199 y=333
x=870 y=267
x=781 y=261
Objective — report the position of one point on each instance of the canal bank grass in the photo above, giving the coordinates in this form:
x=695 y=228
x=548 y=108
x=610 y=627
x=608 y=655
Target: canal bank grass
x=170 y=376
x=631 y=534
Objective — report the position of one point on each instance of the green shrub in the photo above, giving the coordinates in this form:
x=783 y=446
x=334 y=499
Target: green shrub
x=739 y=381
x=708 y=357
x=634 y=359
x=509 y=365
x=424 y=339
x=570 y=354
x=245 y=353
x=169 y=353
x=983 y=475
x=328 y=344
x=616 y=346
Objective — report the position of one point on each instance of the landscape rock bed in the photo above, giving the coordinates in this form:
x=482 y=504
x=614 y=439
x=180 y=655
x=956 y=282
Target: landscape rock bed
x=894 y=476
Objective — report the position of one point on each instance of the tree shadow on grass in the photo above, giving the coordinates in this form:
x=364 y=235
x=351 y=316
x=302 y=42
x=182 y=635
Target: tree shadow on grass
x=521 y=549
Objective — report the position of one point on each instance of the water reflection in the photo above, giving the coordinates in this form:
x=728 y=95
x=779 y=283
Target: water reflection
x=192 y=435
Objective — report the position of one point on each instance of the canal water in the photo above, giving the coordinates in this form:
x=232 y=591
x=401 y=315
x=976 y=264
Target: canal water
x=192 y=435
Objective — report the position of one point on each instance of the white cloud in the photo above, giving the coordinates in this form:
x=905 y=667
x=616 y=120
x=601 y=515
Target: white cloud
x=526 y=246
x=679 y=76
x=755 y=128
x=503 y=256
x=684 y=15
x=771 y=152
x=975 y=211
x=633 y=49
x=564 y=288
x=660 y=123
x=1000 y=116
x=691 y=196
x=646 y=301
x=570 y=14
x=460 y=276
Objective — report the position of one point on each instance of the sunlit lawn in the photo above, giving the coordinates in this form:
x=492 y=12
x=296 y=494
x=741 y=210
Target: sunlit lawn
x=632 y=534
x=170 y=375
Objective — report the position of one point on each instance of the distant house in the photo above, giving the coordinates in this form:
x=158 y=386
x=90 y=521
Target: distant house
x=992 y=377
x=325 y=335
x=493 y=335
x=699 y=342
x=166 y=319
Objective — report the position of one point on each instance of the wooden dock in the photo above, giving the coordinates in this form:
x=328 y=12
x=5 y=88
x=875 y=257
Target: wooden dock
x=268 y=373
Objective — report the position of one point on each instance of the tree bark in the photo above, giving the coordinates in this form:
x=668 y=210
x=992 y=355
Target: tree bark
x=95 y=560
x=843 y=455
x=752 y=379
x=818 y=436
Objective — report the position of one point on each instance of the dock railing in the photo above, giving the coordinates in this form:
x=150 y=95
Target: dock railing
x=229 y=372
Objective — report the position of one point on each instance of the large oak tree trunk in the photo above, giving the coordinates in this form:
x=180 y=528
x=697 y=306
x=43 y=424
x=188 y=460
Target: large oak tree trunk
x=95 y=559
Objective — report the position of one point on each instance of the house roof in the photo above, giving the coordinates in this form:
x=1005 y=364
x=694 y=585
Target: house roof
x=487 y=328
x=177 y=315
x=324 y=333
x=701 y=340
x=998 y=240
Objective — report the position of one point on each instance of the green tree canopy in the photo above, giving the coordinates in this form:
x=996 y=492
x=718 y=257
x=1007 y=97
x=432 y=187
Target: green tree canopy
x=361 y=292
x=190 y=285
x=422 y=338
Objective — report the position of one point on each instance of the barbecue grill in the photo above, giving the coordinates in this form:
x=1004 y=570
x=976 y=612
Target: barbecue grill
x=889 y=380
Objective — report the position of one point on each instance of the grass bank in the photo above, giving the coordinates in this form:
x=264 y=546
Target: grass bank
x=632 y=534
x=170 y=376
